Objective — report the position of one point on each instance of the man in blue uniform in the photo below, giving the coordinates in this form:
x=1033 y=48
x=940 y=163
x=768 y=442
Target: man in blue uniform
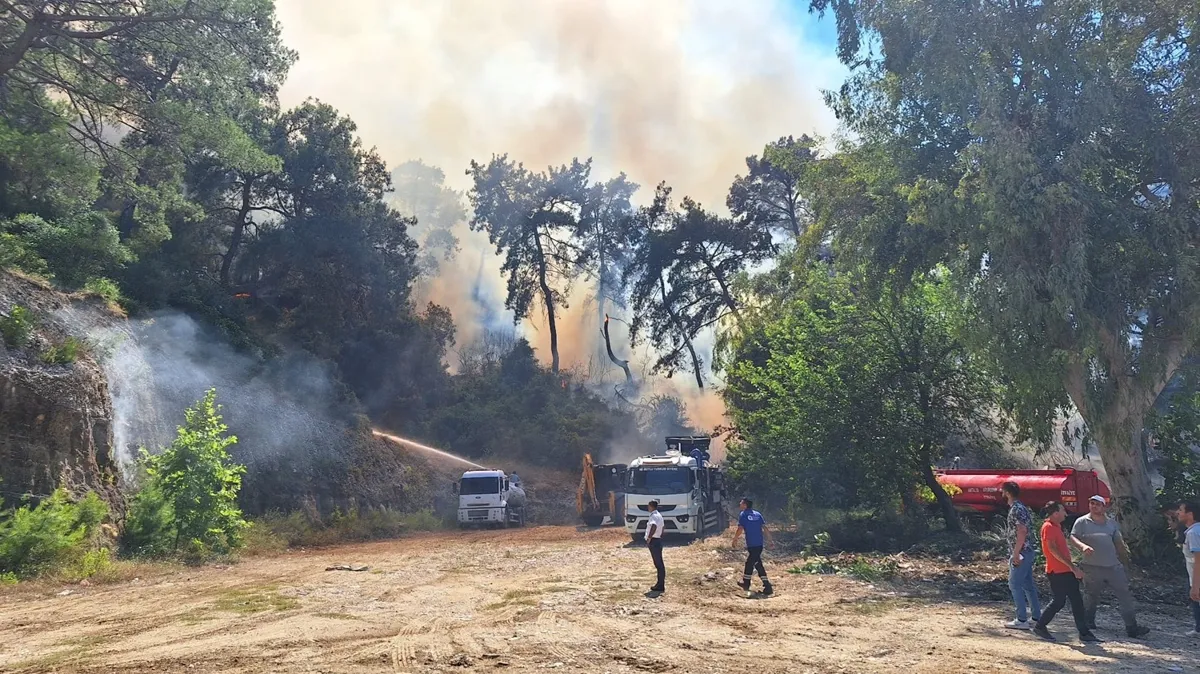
x=700 y=456
x=751 y=522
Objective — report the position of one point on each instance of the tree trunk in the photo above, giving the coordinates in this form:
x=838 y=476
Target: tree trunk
x=239 y=230
x=1117 y=427
x=726 y=294
x=10 y=57
x=662 y=290
x=1119 y=436
x=953 y=524
x=548 y=299
x=623 y=364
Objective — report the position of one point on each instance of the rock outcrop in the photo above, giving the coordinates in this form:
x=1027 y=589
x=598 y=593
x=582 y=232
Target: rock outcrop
x=56 y=420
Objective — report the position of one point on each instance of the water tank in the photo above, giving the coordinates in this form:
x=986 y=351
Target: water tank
x=516 y=496
x=981 y=489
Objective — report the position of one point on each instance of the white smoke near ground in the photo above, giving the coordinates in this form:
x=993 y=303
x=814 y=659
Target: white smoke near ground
x=157 y=367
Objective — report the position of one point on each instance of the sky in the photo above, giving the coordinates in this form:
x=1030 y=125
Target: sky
x=674 y=90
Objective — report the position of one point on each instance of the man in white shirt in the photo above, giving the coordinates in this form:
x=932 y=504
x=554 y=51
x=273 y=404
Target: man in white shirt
x=654 y=532
x=1191 y=545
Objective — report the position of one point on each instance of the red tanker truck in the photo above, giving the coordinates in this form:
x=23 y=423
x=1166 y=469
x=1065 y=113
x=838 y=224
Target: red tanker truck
x=981 y=495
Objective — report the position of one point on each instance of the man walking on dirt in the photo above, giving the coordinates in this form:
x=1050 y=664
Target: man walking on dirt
x=1099 y=537
x=751 y=522
x=1191 y=545
x=1020 y=567
x=654 y=532
x=1062 y=573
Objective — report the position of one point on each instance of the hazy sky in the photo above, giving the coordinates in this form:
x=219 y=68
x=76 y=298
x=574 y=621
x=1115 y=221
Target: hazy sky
x=675 y=90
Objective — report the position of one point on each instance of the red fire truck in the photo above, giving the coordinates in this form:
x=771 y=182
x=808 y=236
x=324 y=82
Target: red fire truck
x=981 y=495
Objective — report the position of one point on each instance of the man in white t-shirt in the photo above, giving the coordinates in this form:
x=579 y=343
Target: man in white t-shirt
x=1191 y=545
x=654 y=532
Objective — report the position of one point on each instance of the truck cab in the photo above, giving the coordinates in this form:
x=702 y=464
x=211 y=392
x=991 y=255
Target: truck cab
x=690 y=496
x=489 y=497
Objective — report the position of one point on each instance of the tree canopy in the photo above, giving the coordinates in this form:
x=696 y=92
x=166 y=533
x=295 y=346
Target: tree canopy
x=1045 y=153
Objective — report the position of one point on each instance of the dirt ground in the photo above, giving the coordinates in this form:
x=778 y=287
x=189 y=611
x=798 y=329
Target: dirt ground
x=545 y=598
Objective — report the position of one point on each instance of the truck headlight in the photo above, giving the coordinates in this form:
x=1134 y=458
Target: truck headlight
x=631 y=518
x=681 y=518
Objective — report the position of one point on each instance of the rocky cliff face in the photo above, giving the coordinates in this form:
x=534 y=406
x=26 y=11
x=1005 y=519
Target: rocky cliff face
x=56 y=420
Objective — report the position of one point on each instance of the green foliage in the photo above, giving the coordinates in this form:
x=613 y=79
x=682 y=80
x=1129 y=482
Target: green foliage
x=17 y=327
x=1176 y=427
x=843 y=398
x=55 y=534
x=72 y=249
x=190 y=502
x=65 y=352
x=104 y=288
x=1047 y=153
x=859 y=567
x=150 y=522
x=509 y=404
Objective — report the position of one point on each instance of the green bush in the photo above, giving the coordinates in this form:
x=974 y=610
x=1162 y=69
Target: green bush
x=149 y=524
x=860 y=567
x=17 y=327
x=188 y=504
x=73 y=249
x=104 y=288
x=55 y=534
x=64 y=353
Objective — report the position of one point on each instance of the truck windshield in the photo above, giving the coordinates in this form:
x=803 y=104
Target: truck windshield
x=479 y=485
x=660 y=481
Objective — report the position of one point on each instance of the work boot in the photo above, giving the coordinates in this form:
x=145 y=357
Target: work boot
x=1088 y=637
x=1137 y=631
x=744 y=584
x=1043 y=633
x=767 y=589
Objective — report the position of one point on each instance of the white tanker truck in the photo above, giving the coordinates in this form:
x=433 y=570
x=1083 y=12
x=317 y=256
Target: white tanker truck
x=489 y=497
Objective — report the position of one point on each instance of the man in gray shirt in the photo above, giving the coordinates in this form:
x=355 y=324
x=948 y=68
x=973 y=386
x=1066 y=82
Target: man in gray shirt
x=1098 y=536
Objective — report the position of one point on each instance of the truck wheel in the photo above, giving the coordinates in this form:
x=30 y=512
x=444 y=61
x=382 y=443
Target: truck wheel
x=593 y=520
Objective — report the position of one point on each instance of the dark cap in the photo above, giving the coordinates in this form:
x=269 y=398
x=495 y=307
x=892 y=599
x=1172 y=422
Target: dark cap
x=654 y=502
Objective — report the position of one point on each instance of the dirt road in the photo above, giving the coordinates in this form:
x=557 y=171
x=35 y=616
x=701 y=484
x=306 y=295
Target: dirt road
x=549 y=598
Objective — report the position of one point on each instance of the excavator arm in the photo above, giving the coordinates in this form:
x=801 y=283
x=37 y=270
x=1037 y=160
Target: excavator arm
x=586 y=494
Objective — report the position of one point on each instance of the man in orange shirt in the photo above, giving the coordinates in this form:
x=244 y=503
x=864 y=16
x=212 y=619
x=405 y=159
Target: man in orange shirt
x=1064 y=576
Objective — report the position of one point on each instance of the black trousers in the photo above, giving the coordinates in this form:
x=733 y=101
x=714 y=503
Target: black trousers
x=655 y=545
x=1066 y=588
x=754 y=563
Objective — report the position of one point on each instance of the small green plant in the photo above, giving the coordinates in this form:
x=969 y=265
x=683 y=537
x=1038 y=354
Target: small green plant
x=17 y=327
x=822 y=543
x=104 y=288
x=860 y=567
x=8 y=578
x=65 y=353
x=189 y=502
x=56 y=534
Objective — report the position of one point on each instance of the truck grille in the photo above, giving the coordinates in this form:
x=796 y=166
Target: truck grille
x=477 y=514
x=661 y=508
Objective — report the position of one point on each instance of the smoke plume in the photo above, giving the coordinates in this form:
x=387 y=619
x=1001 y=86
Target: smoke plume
x=676 y=90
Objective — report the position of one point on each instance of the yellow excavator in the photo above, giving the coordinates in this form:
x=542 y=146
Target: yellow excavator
x=601 y=492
